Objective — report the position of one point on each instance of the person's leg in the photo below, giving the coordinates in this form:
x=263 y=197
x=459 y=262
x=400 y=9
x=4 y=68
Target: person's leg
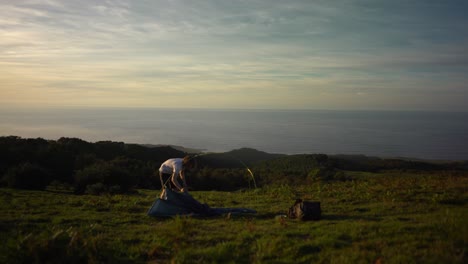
x=165 y=180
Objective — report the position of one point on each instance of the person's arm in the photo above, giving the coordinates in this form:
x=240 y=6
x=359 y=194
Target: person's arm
x=178 y=172
x=175 y=175
x=184 y=183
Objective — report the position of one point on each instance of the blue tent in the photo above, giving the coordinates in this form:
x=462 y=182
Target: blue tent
x=173 y=203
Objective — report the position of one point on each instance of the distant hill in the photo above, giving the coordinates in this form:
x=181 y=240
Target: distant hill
x=299 y=164
x=250 y=156
x=237 y=158
x=35 y=163
x=179 y=148
x=302 y=163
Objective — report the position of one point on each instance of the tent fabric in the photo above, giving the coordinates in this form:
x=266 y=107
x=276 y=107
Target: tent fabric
x=184 y=204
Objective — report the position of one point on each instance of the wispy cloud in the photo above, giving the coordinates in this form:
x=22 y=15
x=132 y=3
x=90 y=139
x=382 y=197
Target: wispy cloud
x=320 y=54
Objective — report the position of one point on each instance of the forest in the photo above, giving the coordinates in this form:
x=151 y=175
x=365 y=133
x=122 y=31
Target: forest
x=118 y=167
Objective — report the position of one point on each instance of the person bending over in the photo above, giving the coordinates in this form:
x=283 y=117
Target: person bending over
x=174 y=169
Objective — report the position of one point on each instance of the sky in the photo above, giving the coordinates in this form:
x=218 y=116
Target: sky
x=252 y=54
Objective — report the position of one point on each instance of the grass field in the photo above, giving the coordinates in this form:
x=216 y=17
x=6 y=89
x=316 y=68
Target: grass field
x=374 y=218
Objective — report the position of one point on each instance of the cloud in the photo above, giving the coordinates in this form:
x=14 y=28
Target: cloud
x=273 y=52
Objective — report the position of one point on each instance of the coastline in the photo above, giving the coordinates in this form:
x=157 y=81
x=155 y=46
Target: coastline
x=388 y=134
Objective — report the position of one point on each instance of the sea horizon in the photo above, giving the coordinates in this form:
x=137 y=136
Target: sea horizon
x=416 y=134
x=104 y=107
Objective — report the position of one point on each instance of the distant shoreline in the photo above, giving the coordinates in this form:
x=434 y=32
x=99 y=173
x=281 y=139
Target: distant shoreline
x=194 y=151
x=414 y=135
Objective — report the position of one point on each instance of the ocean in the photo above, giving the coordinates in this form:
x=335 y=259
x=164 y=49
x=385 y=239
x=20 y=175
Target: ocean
x=421 y=135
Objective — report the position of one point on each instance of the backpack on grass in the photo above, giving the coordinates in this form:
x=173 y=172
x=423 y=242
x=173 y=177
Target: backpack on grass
x=304 y=211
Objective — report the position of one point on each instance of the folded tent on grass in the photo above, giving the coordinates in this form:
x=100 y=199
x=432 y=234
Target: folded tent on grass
x=172 y=203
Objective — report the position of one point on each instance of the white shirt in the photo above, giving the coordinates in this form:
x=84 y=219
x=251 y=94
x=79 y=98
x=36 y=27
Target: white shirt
x=174 y=167
x=171 y=166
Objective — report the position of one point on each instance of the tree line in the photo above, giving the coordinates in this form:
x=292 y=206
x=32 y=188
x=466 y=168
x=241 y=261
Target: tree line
x=104 y=166
x=117 y=167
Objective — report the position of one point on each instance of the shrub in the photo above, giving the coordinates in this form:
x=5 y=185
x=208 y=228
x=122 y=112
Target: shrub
x=219 y=179
x=27 y=176
x=103 y=177
x=326 y=174
x=96 y=188
x=58 y=186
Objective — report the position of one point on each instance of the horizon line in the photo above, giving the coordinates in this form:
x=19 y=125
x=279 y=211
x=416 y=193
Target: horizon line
x=88 y=107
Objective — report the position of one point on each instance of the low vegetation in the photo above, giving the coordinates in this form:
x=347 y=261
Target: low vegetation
x=71 y=201
x=116 y=167
x=386 y=217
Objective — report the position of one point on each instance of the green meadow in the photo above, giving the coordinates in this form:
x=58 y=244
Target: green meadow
x=388 y=217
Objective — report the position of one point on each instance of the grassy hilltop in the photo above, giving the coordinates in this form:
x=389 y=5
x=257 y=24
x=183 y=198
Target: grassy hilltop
x=391 y=218
x=373 y=210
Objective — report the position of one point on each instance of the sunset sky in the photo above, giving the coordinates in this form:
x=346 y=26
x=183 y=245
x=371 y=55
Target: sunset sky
x=376 y=55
